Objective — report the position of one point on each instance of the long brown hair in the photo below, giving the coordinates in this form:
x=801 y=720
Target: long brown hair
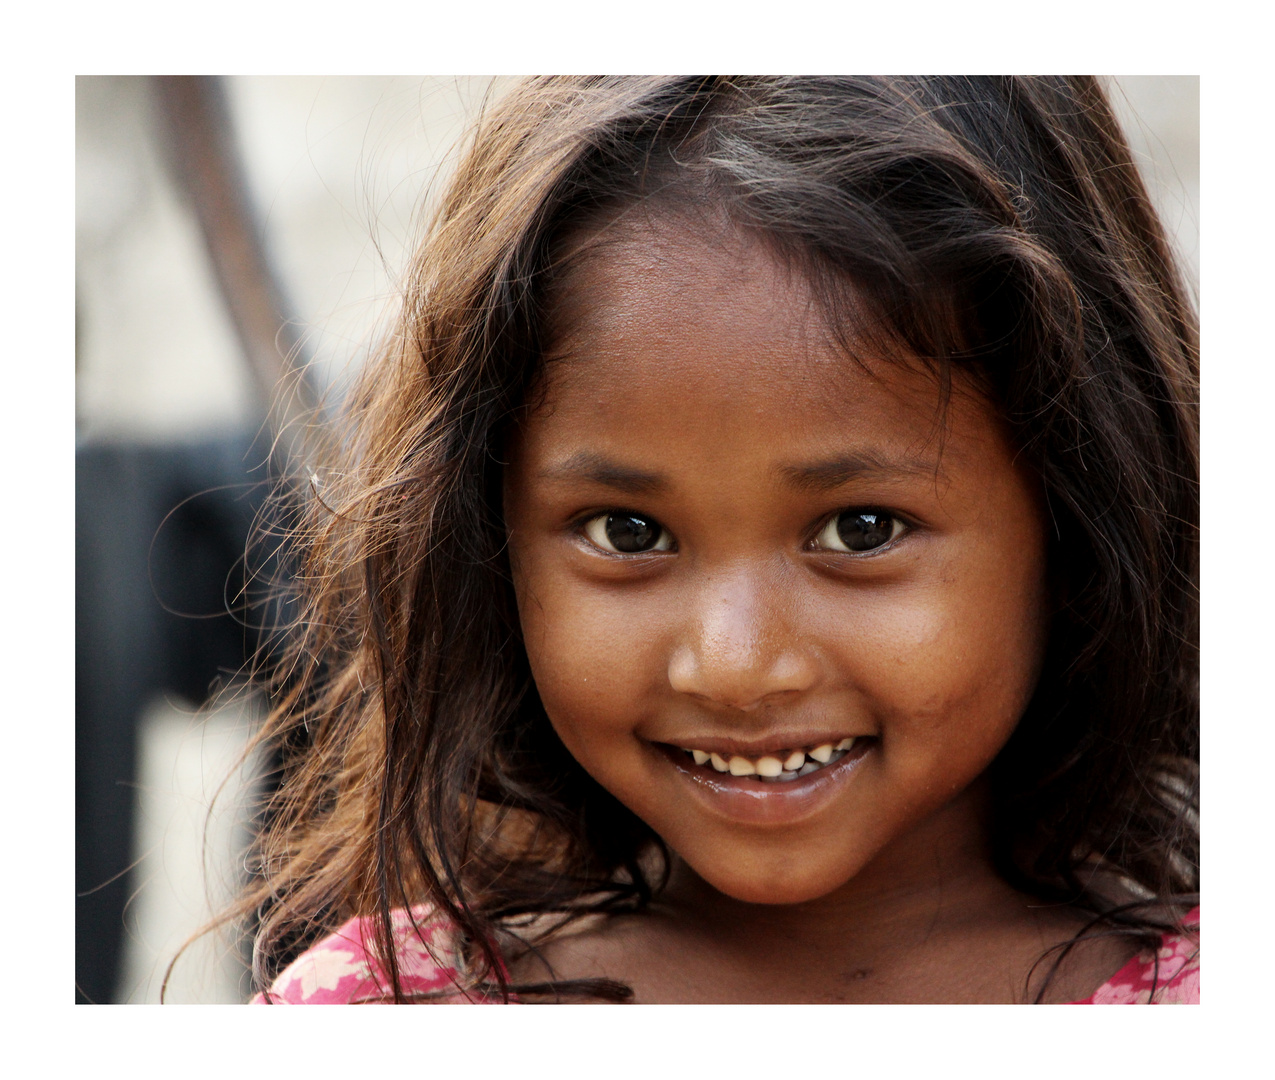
x=992 y=222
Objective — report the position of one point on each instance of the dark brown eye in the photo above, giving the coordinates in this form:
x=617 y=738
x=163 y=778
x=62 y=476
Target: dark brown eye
x=859 y=530
x=627 y=534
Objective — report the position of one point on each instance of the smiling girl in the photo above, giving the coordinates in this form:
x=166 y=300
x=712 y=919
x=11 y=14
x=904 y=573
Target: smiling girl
x=763 y=569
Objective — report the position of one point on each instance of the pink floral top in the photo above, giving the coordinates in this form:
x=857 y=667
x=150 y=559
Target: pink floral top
x=340 y=969
x=1179 y=973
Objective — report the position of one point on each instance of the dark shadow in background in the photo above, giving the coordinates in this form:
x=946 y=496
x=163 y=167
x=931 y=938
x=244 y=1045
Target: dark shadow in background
x=128 y=648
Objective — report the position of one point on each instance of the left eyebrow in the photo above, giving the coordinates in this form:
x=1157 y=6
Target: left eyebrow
x=832 y=473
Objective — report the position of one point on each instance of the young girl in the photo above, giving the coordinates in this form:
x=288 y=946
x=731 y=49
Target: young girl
x=761 y=568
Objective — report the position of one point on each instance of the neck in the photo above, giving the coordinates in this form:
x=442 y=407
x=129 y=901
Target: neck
x=929 y=920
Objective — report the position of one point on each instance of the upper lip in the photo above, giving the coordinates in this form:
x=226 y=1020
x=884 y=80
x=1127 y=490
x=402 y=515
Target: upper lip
x=755 y=748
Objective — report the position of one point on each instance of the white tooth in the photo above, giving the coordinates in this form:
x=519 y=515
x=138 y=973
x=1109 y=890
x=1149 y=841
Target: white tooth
x=822 y=753
x=795 y=760
x=699 y=756
x=808 y=768
x=741 y=766
x=845 y=744
x=719 y=762
x=769 y=766
x=787 y=776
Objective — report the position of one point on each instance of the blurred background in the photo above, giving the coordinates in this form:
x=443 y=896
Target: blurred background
x=235 y=236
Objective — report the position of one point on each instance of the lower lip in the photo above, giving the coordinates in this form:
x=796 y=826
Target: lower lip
x=746 y=800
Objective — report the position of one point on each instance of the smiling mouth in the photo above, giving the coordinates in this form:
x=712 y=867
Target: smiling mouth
x=777 y=767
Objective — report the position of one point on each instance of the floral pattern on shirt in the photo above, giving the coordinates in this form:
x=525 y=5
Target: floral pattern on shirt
x=341 y=969
x=1176 y=983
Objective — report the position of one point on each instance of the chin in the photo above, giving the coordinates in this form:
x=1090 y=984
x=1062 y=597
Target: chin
x=793 y=886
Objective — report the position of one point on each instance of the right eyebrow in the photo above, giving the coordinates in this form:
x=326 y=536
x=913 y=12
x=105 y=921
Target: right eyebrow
x=596 y=469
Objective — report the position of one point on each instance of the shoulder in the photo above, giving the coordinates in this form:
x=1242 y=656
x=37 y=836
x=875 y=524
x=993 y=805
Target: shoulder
x=343 y=967
x=1170 y=977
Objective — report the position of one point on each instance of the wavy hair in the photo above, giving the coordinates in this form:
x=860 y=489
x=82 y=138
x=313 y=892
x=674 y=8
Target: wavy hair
x=995 y=223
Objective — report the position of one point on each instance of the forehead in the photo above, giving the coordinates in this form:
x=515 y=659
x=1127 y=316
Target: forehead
x=680 y=316
x=661 y=285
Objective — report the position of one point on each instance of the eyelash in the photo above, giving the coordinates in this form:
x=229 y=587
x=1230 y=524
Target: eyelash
x=830 y=529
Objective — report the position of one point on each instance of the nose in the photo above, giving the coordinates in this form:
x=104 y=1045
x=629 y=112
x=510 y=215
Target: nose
x=740 y=647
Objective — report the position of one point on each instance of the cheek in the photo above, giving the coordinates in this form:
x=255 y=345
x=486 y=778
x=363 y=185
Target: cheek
x=594 y=661
x=948 y=665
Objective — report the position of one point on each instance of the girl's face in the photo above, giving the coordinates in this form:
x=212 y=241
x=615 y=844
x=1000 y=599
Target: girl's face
x=732 y=543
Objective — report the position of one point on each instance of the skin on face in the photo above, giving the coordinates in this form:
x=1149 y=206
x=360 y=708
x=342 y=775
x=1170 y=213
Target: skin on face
x=695 y=387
